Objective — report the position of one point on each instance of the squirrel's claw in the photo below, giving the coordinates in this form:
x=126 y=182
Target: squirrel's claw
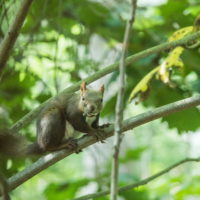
x=74 y=146
x=99 y=135
x=71 y=144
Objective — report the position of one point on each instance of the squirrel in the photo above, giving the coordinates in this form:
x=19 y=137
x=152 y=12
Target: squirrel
x=78 y=112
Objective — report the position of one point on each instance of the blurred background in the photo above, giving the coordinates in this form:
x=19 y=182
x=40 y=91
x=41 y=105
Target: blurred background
x=63 y=42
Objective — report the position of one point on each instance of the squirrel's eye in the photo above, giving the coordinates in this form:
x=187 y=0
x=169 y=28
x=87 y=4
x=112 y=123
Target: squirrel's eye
x=83 y=99
x=101 y=100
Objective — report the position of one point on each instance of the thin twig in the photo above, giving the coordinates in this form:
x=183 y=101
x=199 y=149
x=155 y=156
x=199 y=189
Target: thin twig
x=12 y=34
x=84 y=142
x=55 y=59
x=120 y=105
x=111 y=68
x=139 y=183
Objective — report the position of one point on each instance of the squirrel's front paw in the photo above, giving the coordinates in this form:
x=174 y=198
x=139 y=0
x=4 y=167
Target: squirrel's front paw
x=104 y=126
x=99 y=135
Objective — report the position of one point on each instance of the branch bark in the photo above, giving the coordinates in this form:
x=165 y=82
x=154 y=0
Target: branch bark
x=12 y=34
x=139 y=183
x=120 y=105
x=111 y=68
x=85 y=141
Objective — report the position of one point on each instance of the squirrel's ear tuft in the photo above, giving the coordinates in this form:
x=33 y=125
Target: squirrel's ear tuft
x=102 y=89
x=83 y=87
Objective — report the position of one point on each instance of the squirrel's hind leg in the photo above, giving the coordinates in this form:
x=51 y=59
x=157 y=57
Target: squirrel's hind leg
x=69 y=143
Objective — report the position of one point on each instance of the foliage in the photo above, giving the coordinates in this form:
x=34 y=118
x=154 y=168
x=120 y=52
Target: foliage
x=165 y=69
x=63 y=42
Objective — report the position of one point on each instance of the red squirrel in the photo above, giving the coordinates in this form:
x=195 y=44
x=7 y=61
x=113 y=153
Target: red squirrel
x=79 y=110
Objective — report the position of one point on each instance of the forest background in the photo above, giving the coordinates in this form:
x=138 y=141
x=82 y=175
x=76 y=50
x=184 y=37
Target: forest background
x=63 y=42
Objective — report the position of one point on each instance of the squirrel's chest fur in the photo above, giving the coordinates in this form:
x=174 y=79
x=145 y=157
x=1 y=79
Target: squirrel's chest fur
x=91 y=120
x=75 y=117
x=78 y=121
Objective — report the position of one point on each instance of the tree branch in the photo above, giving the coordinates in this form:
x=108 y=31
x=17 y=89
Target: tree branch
x=85 y=141
x=12 y=34
x=139 y=183
x=120 y=105
x=111 y=68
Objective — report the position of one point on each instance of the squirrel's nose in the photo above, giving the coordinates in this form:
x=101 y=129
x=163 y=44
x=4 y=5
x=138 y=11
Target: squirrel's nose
x=91 y=108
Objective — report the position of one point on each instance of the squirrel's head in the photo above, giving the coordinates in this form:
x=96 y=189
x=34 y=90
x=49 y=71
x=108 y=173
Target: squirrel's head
x=90 y=100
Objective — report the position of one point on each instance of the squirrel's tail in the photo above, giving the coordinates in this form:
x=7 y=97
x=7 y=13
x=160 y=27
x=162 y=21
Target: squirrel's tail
x=15 y=145
x=34 y=149
x=12 y=145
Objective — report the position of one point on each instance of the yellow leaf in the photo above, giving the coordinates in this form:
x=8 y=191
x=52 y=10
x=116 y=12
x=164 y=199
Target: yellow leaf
x=181 y=33
x=142 y=86
x=173 y=60
x=163 y=71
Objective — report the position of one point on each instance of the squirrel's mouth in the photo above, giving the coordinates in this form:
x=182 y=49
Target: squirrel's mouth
x=91 y=114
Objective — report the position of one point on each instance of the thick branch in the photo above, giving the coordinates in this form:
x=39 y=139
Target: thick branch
x=139 y=183
x=10 y=38
x=120 y=106
x=84 y=142
x=167 y=45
